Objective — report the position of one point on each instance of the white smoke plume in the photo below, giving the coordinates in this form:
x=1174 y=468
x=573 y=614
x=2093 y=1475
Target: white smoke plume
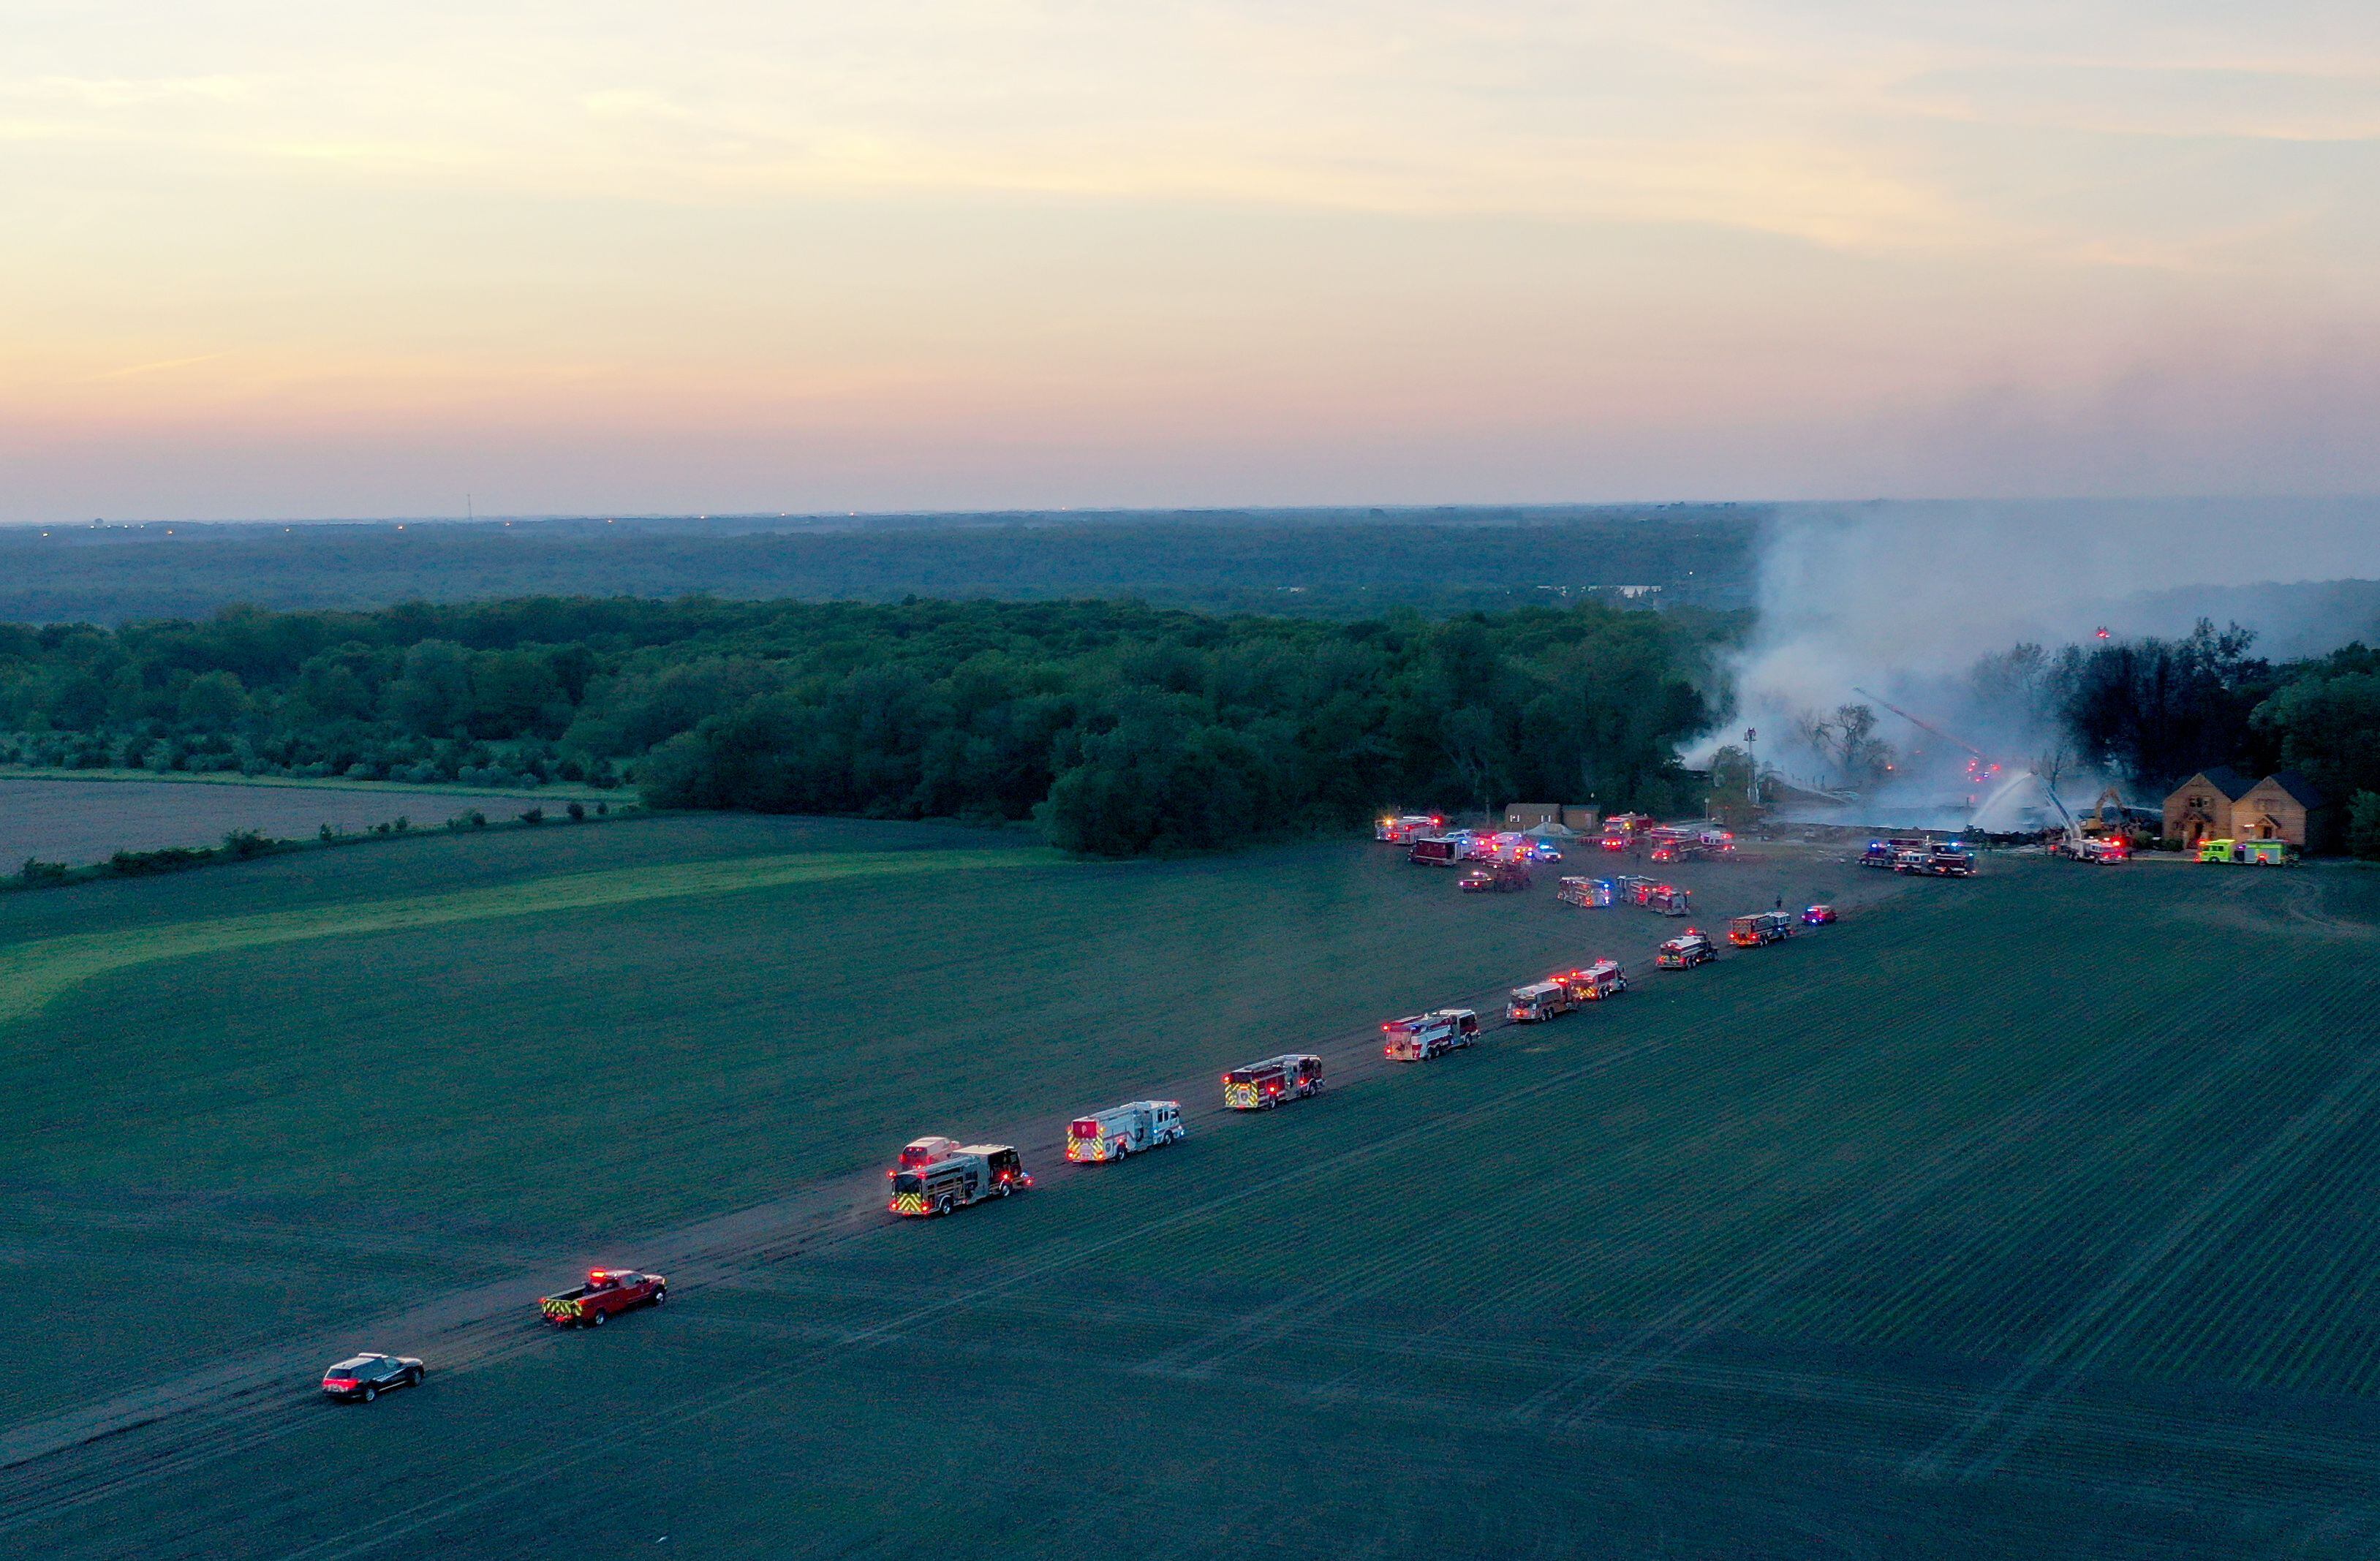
x=1896 y=601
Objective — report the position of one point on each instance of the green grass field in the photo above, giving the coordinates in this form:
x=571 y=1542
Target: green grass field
x=2027 y=1216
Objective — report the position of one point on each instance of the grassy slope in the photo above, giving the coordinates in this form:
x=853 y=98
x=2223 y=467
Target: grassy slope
x=2015 y=1217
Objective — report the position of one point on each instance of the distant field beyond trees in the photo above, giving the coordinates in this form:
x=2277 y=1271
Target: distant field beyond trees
x=1121 y=728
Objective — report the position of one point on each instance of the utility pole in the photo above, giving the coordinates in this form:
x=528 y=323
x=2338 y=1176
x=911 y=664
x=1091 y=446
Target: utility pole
x=1751 y=757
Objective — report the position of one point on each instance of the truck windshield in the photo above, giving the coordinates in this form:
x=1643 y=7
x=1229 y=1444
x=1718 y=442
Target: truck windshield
x=1084 y=1129
x=1240 y=1076
x=908 y=1181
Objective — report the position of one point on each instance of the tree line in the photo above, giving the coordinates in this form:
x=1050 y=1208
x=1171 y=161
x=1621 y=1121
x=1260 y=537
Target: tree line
x=2155 y=711
x=1118 y=728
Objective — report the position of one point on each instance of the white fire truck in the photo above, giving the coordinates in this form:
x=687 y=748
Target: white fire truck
x=1544 y=999
x=1404 y=827
x=967 y=1174
x=1260 y=1086
x=1604 y=978
x=1421 y=1036
x=1124 y=1131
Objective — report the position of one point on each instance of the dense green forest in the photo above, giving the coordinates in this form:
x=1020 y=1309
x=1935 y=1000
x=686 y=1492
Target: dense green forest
x=1121 y=728
x=1334 y=564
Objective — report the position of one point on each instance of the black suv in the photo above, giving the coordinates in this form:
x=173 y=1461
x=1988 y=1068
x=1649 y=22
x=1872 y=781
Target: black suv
x=369 y=1377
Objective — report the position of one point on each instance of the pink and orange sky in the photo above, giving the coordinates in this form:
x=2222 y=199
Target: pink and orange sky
x=278 y=260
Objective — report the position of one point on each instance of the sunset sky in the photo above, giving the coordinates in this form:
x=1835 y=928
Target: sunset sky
x=269 y=260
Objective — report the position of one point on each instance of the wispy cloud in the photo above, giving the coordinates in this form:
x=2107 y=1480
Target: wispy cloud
x=160 y=366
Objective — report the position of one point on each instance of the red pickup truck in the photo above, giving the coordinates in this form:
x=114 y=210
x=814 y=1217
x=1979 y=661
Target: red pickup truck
x=606 y=1291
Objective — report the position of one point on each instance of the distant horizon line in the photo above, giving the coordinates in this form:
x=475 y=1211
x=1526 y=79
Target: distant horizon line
x=1358 y=510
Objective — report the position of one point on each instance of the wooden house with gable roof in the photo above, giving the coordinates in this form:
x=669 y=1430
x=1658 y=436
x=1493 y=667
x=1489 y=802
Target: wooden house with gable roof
x=2222 y=804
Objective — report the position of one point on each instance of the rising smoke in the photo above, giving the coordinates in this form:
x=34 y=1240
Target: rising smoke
x=1917 y=605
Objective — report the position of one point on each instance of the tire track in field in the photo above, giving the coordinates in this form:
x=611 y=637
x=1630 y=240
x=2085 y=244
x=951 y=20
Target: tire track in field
x=1065 y=1256
x=2050 y=1370
x=249 y=1393
x=2277 y=1303
x=902 y=1327
x=1753 y=1084
x=250 y=1399
x=2192 y=1132
x=1633 y=1201
x=2247 y=1086
x=2153 y=1109
x=1527 y=1358
x=1200 y=1357
x=1808 y=1388
x=1367 y=1036
x=1996 y=1231
x=1801 y=1251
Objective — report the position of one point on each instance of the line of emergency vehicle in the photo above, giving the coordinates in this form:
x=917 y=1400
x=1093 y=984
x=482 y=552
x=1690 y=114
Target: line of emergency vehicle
x=938 y=1175
x=1565 y=990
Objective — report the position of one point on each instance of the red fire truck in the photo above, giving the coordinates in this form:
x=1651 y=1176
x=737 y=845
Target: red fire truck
x=1260 y=1086
x=967 y=1174
x=1623 y=829
x=1438 y=851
